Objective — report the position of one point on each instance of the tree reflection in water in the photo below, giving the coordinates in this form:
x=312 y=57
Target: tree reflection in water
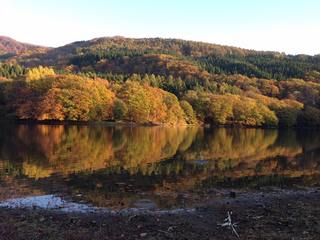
x=110 y=165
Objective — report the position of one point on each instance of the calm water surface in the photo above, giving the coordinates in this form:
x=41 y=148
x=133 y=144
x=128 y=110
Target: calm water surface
x=165 y=167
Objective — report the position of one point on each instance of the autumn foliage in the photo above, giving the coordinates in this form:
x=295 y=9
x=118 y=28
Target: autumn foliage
x=161 y=81
x=61 y=97
x=78 y=98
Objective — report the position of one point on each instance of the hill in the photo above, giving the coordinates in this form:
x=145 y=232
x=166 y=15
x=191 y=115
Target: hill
x=156 y=80
x=10 y=48
x=113 y=54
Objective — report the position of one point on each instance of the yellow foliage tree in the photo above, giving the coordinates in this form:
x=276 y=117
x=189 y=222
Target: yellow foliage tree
x=39 y=73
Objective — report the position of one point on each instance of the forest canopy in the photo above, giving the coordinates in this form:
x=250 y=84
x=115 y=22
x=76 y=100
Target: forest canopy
x=161 y=81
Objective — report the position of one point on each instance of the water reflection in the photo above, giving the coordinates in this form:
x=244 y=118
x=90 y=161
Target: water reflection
x=110 y=166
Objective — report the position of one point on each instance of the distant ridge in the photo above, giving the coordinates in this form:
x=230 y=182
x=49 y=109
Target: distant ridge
x=161 y=56
x=9 y=45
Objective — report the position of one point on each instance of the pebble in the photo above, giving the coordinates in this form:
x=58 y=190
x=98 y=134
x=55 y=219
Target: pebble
x=232 y=194
x=143 y=234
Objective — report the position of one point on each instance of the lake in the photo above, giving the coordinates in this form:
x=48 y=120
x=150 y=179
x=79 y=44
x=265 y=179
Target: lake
x=120 y=167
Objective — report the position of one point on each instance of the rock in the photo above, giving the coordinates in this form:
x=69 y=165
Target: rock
x=143 y=234
x=232 y=194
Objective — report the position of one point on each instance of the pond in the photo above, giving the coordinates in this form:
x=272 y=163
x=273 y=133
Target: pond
x=119 y=167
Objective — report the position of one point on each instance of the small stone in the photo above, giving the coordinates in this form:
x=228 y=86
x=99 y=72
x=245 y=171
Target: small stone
x=232 y=194
x=143 y=234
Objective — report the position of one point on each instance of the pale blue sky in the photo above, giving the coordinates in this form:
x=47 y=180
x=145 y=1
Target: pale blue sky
x=291 y=26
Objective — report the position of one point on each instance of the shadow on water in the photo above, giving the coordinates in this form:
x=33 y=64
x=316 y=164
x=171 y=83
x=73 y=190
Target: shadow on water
x=120 y=167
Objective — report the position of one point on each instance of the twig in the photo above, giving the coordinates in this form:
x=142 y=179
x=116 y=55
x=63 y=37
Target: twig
x=132 y=217
x=165 y=232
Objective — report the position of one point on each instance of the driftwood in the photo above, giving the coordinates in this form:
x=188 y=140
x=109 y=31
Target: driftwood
x=228 y=223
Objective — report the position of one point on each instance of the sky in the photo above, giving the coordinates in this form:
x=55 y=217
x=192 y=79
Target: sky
x=290 y=26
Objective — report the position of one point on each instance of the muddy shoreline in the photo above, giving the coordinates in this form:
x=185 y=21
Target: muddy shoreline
x=283 y=214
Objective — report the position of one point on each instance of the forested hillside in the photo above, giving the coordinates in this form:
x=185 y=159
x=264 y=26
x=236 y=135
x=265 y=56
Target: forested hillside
x=10 y=48
x=161 y=81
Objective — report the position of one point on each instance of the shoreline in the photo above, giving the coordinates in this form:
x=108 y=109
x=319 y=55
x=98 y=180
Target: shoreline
x=151 y=124
x=89 y=123
x=284 y=214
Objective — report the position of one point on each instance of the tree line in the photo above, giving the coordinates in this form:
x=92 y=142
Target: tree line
x=43 y=94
